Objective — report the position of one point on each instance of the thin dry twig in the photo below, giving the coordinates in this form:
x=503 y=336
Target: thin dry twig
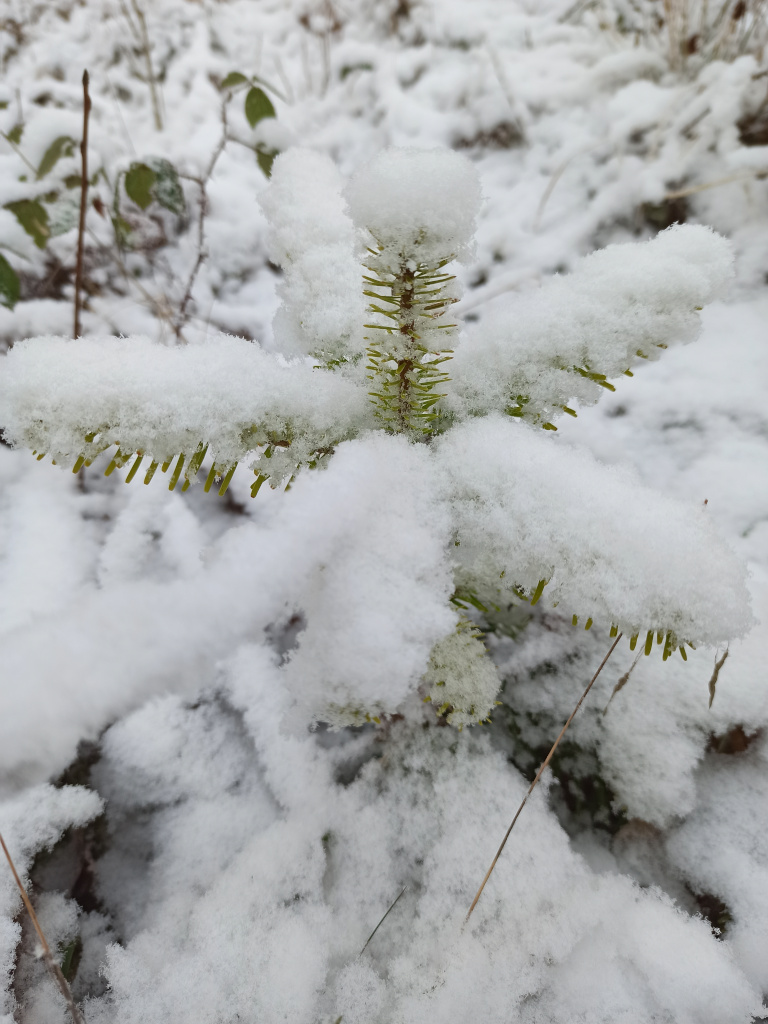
x=381 y=922
x=203 y=211
x=538 y=776
x=83 y=203
x=50 y=962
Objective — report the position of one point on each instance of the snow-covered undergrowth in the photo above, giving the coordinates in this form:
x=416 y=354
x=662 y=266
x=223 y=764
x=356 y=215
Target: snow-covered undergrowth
x=213 y=859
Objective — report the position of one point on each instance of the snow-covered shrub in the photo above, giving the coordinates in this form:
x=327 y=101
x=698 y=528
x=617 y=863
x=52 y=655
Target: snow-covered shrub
x=440 y=435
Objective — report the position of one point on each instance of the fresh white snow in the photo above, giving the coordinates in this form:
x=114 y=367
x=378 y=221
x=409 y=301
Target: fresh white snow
x=231 y=857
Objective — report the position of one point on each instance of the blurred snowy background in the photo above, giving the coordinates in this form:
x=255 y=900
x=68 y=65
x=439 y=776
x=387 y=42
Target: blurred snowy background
x=214 y=869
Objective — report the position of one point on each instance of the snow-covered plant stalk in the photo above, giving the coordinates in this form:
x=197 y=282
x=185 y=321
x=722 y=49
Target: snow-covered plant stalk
x=409 y=289
x=410 y=294
x=405 y=364
x=451 y=493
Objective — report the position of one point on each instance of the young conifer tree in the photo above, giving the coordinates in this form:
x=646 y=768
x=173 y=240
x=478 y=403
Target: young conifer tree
x=467 y=490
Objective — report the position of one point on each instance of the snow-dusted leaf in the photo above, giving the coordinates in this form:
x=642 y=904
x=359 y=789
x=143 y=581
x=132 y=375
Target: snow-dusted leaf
x=166 y=188
x=62 y=146
x=63 y=214
x=33 y=217
x=257 y=106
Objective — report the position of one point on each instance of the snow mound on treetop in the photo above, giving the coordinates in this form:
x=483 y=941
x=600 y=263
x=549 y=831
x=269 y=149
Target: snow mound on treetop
x=424 y=201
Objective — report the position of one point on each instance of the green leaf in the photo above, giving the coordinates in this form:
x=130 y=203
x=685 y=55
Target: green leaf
x=14 y=135
x=62 y=146
x=9 y=284
x=73 y=181
x=265 y=161
x=257 y=106
x=139 y=182
x=71 y=955
x=167 y=190
x=33 y=218
x=233 y=79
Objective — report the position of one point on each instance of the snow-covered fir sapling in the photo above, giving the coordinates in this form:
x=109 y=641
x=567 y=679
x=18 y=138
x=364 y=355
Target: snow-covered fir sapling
x=441 y=445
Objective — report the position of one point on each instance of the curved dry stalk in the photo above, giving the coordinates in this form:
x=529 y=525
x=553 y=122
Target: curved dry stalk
x=538 y=776
x=50 y=962
x=681 y=193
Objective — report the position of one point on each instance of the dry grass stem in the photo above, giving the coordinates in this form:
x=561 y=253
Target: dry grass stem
x=713 y=681
x=381 y=922
x=83 y=204
x=682 y=192
x=141 y=33
x=539 y=774
x=50 y=962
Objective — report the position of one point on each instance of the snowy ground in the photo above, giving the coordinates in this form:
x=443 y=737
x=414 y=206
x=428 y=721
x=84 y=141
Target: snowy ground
x=203 y=863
